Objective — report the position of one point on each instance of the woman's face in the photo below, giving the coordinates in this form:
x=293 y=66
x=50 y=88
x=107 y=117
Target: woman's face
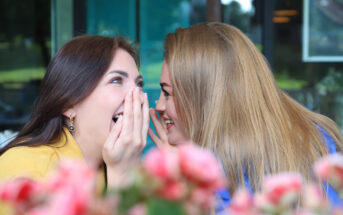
x=166 y=108
x=94 y=116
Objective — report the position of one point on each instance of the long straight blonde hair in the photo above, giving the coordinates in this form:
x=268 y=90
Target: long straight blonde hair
x=228 y=101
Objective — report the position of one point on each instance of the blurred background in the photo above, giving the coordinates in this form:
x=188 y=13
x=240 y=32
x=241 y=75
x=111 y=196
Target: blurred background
x=302 y=40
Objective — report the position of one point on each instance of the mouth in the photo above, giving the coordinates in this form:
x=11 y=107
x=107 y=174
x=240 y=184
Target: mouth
x=116 y=116
x=169 y=123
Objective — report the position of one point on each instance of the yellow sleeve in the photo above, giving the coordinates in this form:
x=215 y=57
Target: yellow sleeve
x=23 y=161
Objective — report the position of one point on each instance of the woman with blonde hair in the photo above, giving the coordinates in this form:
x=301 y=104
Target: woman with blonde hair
x=218 y=91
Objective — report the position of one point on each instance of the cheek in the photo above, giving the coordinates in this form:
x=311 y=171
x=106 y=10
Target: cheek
x=172 y=110
x=110 y=100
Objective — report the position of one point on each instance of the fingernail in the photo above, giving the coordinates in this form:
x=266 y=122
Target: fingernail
x=155 y=101
x=119 y=118
x=137 y=90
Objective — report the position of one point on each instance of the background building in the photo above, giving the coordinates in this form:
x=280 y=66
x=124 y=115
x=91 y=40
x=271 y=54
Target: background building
x=302 y=40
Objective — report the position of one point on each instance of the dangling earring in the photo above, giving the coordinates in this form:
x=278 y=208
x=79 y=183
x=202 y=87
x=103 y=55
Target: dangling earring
x=71 y=124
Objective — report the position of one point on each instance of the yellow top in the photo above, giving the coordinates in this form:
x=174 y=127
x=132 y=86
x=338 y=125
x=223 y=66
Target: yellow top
x=37 y=162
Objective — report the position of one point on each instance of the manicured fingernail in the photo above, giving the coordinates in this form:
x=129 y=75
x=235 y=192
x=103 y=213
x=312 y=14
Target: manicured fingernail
x=137 y=90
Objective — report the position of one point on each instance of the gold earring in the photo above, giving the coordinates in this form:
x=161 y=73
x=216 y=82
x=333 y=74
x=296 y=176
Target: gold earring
x=71 y=124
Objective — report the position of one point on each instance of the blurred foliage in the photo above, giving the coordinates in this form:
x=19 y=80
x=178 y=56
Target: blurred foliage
x=234 y=14
x=22 y=75
x=331 y=83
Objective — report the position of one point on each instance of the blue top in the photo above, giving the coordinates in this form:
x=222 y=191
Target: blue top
x=223 y=196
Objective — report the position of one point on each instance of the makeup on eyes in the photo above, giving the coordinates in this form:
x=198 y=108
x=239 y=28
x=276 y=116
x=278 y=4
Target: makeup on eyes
x=138 y=80
x=165 y=92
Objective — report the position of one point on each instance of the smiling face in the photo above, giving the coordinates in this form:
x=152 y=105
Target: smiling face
x=167 y=111
x=94 y=116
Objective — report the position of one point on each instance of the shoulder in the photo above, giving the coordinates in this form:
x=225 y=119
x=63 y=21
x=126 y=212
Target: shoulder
x=223 y=199
x=329 y=141
x=34 y=162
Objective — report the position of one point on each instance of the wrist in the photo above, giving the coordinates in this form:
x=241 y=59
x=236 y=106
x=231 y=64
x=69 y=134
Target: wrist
x=118 y=178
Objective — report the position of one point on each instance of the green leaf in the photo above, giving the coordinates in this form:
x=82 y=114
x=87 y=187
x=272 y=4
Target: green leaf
x=161 y=206
x=128 y=198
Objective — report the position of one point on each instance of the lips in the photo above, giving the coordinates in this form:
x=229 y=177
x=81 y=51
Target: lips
x=169 y=123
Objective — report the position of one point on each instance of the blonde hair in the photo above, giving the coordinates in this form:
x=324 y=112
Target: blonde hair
x=228 y=101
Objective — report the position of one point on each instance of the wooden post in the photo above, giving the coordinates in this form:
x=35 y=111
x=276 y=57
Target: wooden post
x=214 y=11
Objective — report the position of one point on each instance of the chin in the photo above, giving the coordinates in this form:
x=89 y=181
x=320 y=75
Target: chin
x=177 y=142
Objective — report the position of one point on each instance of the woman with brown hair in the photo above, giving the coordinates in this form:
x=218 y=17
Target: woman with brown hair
x=90 y=107
x=218 y=91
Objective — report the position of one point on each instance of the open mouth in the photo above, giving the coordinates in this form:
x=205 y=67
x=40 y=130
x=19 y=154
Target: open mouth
x=116 y=117
x=169 y=123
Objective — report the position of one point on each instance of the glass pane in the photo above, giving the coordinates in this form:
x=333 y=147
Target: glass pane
x=111 y=17
x=324 y=30
x=61 y=23
x=24 y=55
x=244 y=15
x=316 y=85
x=167 y=17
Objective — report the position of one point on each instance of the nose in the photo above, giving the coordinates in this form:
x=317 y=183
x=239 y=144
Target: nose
x=160 y=104
x=133 y=87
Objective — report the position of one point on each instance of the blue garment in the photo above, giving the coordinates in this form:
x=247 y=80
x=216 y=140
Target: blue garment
x=223 y=196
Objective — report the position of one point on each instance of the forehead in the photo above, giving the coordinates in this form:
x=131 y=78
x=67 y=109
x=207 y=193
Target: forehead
x=123 y=61
x=165 y=73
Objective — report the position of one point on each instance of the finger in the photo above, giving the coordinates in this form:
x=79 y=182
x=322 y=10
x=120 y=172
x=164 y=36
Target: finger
x=155 y=138
x=114 y=134
x=161 y=132
x=127 y=116
x=145 y=125
x=137 y=118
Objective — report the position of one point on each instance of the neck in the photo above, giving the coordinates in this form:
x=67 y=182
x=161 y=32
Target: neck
x=90 y=150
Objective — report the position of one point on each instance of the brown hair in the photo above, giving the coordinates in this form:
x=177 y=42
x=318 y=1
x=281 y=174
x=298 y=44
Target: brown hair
x=228 y=101
x=71 y=76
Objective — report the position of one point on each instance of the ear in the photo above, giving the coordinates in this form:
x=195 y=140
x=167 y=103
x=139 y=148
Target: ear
x=69 y=113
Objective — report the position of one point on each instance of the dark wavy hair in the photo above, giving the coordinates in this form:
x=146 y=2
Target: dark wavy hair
x=71 y=76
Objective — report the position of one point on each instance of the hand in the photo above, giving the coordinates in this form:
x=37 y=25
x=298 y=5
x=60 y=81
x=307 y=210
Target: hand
x=161 y=139
x=127 y=139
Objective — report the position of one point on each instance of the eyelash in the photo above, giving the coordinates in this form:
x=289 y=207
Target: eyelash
x=119 y=80
x=140 y=84
x=165 y=93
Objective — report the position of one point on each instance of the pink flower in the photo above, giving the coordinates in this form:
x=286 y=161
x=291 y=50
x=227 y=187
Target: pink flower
x=202 y=196
x=139 y=209
x=282 y=188
x=262 y=203
x=242 y=203
x=72 y=185
x=242 y=199
x=162 y=164
x=200 y=166
x=173 y=190
x=330 y=168
x=72 y=173
x=313 y=198
x=21 y=191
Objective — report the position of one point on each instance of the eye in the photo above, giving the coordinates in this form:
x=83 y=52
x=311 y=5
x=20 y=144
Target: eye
x=140 y=83
x=165 y=93
x=117 y=80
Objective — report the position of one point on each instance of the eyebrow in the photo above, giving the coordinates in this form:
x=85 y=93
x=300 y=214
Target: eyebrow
x=125 y=74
